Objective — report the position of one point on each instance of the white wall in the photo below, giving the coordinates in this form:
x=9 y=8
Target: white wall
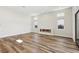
x=67 y=31
x=49 y=20
x=12 y=23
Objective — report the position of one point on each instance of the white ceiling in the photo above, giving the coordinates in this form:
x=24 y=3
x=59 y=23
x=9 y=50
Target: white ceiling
x=35 y=10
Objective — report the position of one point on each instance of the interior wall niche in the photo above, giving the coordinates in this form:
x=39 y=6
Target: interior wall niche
x=35 y=22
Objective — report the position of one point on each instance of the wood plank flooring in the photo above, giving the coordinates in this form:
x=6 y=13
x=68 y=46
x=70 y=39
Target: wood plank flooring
x=37 y=43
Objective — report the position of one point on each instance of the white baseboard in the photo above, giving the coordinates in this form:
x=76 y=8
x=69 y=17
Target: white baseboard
x=6 y=35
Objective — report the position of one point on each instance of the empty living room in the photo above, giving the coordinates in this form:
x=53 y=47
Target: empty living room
x=39 y=29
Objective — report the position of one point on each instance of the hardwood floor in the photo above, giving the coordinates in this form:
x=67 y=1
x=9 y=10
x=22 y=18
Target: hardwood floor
x=37 y=43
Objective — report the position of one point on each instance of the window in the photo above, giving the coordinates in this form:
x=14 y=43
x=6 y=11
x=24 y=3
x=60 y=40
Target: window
x=60 y=21
x=60 y=24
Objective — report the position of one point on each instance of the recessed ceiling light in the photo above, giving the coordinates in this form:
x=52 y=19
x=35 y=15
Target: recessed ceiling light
x=35 y=18
x=19 y=40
